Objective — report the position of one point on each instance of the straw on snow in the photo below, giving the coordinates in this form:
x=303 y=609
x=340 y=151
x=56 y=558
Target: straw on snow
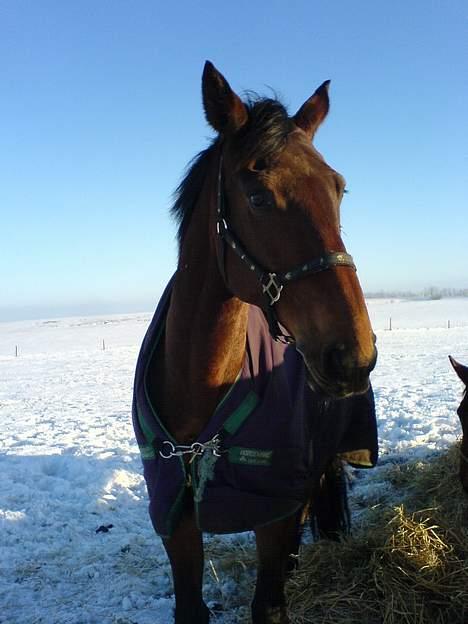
x=409 y=565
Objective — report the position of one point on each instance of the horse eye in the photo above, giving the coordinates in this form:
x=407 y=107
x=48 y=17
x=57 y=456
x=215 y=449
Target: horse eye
x=260 y=164
x=257 y=200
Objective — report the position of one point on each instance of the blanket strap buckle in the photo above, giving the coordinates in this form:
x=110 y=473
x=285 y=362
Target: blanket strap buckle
x=196 y=449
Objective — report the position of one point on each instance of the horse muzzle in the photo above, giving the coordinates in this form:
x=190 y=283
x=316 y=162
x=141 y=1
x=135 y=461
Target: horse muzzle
x=337 y=373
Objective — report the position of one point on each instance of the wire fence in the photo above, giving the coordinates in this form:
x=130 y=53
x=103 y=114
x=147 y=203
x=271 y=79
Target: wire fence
x=392 y=323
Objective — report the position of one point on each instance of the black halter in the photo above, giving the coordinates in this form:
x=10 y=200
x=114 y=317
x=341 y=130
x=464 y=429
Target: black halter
x=272 y=283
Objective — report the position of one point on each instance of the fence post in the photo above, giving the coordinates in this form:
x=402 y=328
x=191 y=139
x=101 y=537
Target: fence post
x=16 y=350
x=448 y=324
x=103 y=345
x=390 y=324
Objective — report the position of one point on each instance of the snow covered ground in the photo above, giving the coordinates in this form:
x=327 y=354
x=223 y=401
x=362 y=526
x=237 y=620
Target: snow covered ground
x=76 y=545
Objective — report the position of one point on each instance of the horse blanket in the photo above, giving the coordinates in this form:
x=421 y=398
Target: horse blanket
x=265 y=447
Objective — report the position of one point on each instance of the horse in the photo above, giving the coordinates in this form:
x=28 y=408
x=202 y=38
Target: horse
x=263 y=281
x=462 y=411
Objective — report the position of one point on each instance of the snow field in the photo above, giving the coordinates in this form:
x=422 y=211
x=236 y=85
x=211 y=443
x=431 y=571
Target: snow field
x=69 y=465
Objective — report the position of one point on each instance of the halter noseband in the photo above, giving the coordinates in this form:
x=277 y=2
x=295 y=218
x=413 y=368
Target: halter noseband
x=272 y=283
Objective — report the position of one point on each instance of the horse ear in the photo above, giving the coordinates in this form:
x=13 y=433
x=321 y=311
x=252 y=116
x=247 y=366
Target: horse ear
x=314 y=110
x=462 y=371
x=224 y=109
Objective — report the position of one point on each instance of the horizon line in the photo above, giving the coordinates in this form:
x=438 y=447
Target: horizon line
x=42 y=312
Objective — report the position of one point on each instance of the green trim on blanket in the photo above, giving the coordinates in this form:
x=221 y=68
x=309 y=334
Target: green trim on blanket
x=147 y=452
x=240 y=415
x=141 y=418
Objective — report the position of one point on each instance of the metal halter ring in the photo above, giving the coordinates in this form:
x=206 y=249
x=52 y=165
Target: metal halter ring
x=272 y=288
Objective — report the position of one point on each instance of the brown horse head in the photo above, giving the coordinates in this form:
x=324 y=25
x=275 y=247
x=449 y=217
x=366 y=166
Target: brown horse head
x=462 y=372
x=282 y=201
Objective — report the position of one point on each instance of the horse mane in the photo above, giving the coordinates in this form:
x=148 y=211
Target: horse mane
x=188 y=191
x=260 y=140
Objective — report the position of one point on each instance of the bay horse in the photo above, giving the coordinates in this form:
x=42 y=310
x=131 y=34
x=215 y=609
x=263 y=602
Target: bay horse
x=462 y=411
x=263 y=282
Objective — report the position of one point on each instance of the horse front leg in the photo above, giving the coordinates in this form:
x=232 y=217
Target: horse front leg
x=275 y=543
x=185 y=552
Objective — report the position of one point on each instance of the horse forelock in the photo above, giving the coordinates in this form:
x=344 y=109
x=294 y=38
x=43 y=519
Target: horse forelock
x=261 y=139
x=264 y=135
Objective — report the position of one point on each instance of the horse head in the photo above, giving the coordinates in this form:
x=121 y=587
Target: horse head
x=462 y=372
x=279 y=221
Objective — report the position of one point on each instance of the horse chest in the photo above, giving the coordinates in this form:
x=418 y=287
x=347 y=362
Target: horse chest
x=257 y=457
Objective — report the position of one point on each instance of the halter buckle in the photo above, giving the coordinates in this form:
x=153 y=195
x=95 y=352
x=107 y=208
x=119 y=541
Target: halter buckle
x=272 y=288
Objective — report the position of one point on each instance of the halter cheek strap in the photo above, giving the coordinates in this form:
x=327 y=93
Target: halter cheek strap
x=272 y=283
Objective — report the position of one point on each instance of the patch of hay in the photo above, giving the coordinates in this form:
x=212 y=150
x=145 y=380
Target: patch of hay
x=231 y=568
x=406 y=565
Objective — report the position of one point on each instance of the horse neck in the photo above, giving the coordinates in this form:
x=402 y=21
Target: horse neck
x=205 y=334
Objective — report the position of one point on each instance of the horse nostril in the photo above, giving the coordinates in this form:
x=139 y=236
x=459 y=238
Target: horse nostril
x=339 y=363
x=334 y=361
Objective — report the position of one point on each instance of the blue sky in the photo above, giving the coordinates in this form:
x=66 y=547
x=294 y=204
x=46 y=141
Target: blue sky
x=101 y=111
